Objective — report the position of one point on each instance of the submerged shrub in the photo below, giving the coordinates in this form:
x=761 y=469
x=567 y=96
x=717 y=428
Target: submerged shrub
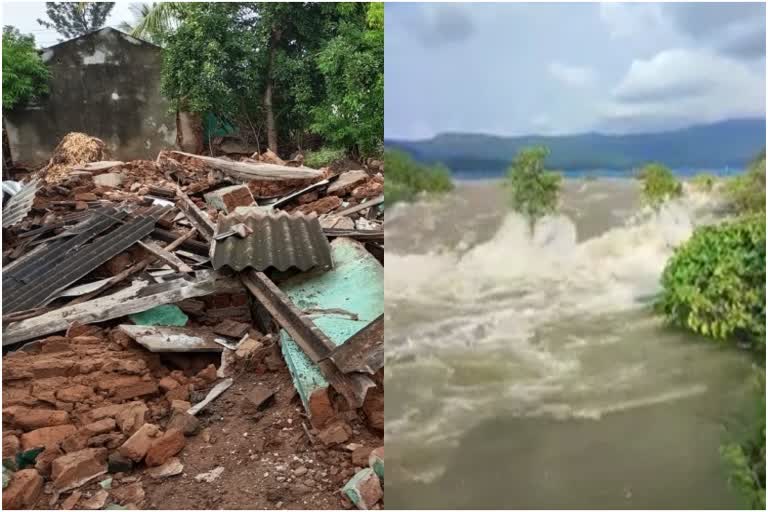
x=745 y=457
x=534 y=190
x=323 y=157
x=406 y=178
x=714 y=284
x=659 y=184
x=704 y=181
x=746 y=192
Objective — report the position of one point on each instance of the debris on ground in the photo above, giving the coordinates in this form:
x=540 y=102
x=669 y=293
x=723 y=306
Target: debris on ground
x=192 y=332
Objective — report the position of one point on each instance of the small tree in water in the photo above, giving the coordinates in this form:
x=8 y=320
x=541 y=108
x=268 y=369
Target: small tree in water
x=534 y=190
x=659 y=184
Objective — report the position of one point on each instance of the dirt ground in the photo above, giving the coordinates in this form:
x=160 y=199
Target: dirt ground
x=260 y=455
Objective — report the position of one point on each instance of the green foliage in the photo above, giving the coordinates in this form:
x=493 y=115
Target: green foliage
x=153 y=22
x=352 y=67
x=745 y=457
x=715 y=283
x=25 y=77
x=534 y=190
x=659 y=184
x=323 y=157
x=746 y=192
x=317 y=67
x=704 y=181
x=406 y=178
x=72 y=19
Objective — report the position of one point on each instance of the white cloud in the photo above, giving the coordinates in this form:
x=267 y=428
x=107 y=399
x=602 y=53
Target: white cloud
x=688 y=85
x=572 y=75
x=627 y=20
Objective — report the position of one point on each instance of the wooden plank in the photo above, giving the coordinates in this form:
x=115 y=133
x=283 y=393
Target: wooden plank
x=194 y=246
x=195 y=215
x=253 y=171
x=138 y=297
x=172 y=339
x=167 y=256
x=362 y=206
x=364 y=351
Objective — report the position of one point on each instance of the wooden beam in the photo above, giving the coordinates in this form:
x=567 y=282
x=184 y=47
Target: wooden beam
x=253 y=171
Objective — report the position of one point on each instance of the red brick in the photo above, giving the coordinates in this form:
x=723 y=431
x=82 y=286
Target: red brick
x=180 y=393
x=165 y=447
x=45 y=368
x=48 y=437
x=55 y=344
x=75 y=394
x=30 y=419
x=373 y=407
x=168 y=383
x=100 y=427
x=11 y=445
x=131 y=417
x=86 y=340
x=23 y=491
x=208 y=375
x=321 y=410
x=321 y=206
x=239 y=299
x=360 y=456
x=73 y=469
x=135 y=390
x=135 y=448
x=231 y=328
x=335 y=433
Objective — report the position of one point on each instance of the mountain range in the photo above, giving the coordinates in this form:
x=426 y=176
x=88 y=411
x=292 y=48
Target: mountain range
x=731 y=144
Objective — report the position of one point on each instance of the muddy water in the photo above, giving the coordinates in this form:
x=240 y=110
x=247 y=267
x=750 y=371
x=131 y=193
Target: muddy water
x=527 y=371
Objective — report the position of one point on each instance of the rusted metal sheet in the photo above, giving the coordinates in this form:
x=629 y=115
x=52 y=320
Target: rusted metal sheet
x=20 y=204
x=364 y=351
x=278 y=239
x=72 y=258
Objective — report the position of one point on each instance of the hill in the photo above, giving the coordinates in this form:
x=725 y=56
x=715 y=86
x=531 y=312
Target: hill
x=731 y=143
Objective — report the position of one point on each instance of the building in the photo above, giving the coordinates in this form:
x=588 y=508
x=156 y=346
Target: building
x=104 y=83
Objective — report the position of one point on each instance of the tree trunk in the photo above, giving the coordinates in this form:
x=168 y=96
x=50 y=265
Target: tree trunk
x=271 y=126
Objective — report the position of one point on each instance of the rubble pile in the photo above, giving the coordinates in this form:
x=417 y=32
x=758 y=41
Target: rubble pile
x=153 y=307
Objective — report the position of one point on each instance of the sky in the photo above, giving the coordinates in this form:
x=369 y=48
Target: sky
x=515 y=69
x=24 y=15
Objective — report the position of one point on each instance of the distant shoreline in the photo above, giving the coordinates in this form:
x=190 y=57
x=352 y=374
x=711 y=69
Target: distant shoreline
x=472 y=176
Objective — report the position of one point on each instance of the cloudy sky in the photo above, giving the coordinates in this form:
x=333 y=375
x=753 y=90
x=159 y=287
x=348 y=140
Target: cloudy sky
x=24 y=15
x=513 y=69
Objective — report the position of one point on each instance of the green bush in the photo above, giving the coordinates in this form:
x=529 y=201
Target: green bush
x=25 y=76
x=659 y=184
x=405 y=178
x=704 y=181
x=745 y=457
x=746 y=192
x=323 y=157
x=714 y=284
x=534 y=190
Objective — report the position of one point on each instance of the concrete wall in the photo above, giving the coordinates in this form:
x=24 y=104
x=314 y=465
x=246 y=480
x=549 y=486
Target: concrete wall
x=105 y=84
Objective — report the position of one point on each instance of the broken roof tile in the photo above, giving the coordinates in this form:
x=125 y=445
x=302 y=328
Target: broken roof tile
x=278 y=239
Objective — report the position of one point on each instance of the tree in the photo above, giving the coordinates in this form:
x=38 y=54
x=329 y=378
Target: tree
x=153 y=22
x=72 y=19
x=534 y=190
x=352 y=66
x=25 y=76
x=659 y=184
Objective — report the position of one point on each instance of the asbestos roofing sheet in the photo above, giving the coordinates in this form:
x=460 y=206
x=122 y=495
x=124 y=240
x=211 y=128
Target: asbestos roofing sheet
x=277 y=239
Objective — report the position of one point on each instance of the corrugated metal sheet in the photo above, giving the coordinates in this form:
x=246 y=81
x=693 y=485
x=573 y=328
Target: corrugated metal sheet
x=19 y=205
x=67 y=260
x=279 y=240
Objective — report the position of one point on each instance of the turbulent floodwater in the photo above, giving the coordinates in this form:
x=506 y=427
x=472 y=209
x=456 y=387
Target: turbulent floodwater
x=529 y=372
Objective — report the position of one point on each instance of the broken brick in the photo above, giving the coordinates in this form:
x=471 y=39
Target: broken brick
x=229 y=198
x=74 y=469
x=30 y=419
x=48 y=437
x=135 y=448
x=23 y=491
x=364 y=489
x=187 y=423
x=164 y=447
x=335 y=433
x=100 y=427
x=232 y=328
